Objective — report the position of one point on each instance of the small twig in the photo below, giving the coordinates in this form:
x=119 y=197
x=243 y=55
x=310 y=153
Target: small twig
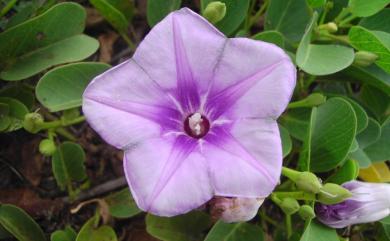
x=99 y=190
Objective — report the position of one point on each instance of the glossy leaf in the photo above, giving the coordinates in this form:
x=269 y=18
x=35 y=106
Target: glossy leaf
x=19 y=92
x=296 y=121
x=379 y=150
x=68 y=234
x=158 y=9
x=289 y=17
x=371 y=75
x=364 y=8
x=16 y=113
x=316 y=3
x=375 y=101
x=235 y=232
x=372 y=41
x=322 y=59
x=271 y=36
x=361 y=115
x=49 y=39
x=286 y=140
x=68 y=164
x=185 y=227
x=114 y=16
x=377 y=172
x=62 y=87
x=121 y=204
x=347 y=172
x=319 y=232
x=91 y=233
x=20 y=224
x=332 y=132
x=378 y=22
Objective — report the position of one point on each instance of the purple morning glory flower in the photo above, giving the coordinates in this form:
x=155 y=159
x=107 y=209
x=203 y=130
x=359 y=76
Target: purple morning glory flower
x=195 y=113
x=369 y=202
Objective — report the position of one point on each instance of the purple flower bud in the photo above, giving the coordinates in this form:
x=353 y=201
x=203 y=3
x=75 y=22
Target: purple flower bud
x=195 y=113
x=234 y=209
x=369 y=202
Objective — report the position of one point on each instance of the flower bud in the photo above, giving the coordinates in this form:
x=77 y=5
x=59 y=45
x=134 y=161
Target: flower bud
x=289 y=205
x=369 y=202
x=330 y=27
x=364 y=58
x=306 y=212
x=32 y=122
x=47 y=147
x=332 y=193
x=308 y=182
x=215 y=11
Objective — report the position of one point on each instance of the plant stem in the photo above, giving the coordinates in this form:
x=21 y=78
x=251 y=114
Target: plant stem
x=340 y=38
x=290 y=173
x=288 y=226
x=7 y=7
x=63 y=132
x=257 y=15
x=342 y=14
x=267 y=219
x=347 y=20
x=128 y=41
x=299 y=195
x=61 y=123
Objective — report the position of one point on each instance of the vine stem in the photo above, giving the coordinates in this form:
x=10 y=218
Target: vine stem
x=7 y=7
x=288 y=226
x=61 y=123
x=257 y=15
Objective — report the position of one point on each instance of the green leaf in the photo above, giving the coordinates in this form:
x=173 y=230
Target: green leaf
x=114 y=16
x=72 y=49
x=68 y=234
x=271 y=36
x=386 y=226
x=370 y=134
x=91 y=233
x=20 y=224
x=376 y=42
x=62 y=87
x=158 y=9
x=379 y=150
x=319 y=232
x=19 y=92
x=16 y=113
x=347 y=172
x=361 y=115
x=4 y=233
x=5 y=120
x=50 y=39
x=322 y=59
x=376 y=101
x=126 y=7
x=235 y=232
x=236 y=12
x=185 y=227
x=68 y=164
x=296 y=121
x=378 y=22
x=286 y=140
x=316 y=3
x=289 y=17
x=332 y=132
x=364 y=8
x=122 y=205
x=371 y=75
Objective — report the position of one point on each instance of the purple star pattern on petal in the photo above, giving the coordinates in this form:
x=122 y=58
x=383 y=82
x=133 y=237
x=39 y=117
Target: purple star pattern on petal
x=195 y=113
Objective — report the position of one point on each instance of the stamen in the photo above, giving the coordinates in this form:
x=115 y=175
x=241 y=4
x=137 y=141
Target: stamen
x=196 y=125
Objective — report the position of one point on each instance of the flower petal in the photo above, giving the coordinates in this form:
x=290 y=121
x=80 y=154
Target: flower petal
x=167 y=176
x=247 y=161
x=125 y=106
x=252 y=79
x=170 y=54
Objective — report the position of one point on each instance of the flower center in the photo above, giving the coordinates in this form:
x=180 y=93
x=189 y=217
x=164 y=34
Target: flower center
x=196 y=125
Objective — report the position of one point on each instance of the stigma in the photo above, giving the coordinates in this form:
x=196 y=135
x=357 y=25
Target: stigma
x=196 y=125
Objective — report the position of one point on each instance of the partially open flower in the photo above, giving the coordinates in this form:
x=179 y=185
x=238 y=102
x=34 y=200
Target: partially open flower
x=369 y=202
x=195 y=113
